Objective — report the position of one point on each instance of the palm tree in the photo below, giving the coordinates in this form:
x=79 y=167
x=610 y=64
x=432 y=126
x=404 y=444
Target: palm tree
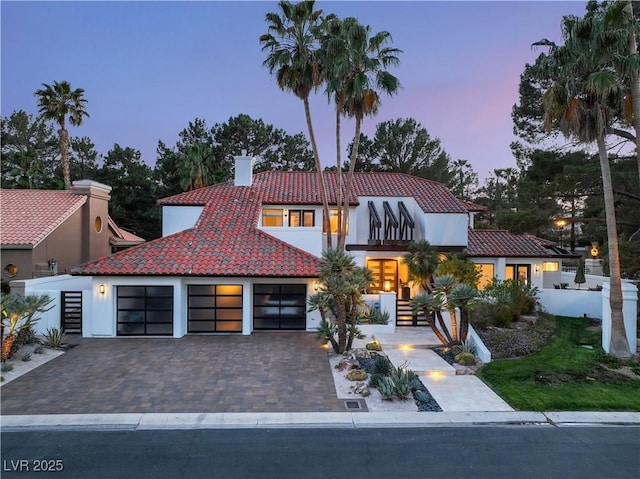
x=341 y=282
x=616 y=36
x=57 y=102
x=422 y=262
x=292 y=44
x=193 y=167
x=356 y=75
x=582 y=103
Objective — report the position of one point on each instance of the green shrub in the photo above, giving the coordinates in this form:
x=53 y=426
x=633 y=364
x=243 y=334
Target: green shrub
x=466 y=359
x=54 y=338
x=357 y=375
x=386 y=387
x=401 y=383
x=382 y=365
x=26 y=357
x=38 y=349
x=6 y=367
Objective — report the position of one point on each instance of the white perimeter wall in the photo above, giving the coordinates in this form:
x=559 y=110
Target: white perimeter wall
x=52 y=286
x=179 y=218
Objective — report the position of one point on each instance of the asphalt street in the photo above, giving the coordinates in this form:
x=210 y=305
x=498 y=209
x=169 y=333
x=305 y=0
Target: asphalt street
x=437 y=452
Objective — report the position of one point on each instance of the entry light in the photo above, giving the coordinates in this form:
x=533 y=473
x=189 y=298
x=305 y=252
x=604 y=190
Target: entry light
x=316 y=286
x=387 y=286
x=102 y=288
x=536 y=268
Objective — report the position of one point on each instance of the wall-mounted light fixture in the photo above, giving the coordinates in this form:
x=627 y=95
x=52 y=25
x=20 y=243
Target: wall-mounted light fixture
x=316 y=286
x=387 y=286
x=536 y=268
x=102 y=288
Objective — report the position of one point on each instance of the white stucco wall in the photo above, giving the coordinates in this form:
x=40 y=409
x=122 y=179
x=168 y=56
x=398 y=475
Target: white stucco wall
x=52 y=287
x=572 y=302
x=446 y=229
x=179 y=218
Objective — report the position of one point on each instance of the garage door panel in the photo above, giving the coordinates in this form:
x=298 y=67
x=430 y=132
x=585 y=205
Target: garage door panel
x=279 y=306
x=214 y=308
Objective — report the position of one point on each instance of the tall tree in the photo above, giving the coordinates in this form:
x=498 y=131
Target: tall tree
x=193 y=166
x=403 y=145
x=582 y=103
x=292 y=42
x=58 y=102
x=29 y=152
x=464 y=181
x=366 y=58
x=133 y=197
x=83 y=161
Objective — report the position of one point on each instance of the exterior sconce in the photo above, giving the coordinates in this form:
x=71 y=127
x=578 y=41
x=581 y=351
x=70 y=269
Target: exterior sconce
x=316 y=286
x=387 y=286
x=102 y=288
x=536 y=268
x=594 y=250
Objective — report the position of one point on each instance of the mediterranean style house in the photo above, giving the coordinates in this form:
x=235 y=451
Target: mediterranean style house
x=46 y=232
x=242 y=256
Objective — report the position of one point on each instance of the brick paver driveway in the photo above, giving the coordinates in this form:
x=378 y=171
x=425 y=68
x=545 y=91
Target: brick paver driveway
x=264 y=372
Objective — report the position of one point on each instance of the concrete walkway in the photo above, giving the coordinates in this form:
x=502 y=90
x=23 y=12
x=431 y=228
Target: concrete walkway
x=411 y=347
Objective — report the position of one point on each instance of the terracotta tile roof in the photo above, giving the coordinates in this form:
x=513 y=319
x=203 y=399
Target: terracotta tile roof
x=474 y=206
x=503 y=243
x=29 y=216
x=281 y=187
x=121 y=237
x=224 y=242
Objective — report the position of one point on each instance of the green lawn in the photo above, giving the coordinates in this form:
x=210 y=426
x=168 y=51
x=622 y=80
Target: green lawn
x=565 y=376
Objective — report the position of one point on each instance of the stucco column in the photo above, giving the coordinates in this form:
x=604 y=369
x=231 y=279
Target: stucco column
x=388 y=303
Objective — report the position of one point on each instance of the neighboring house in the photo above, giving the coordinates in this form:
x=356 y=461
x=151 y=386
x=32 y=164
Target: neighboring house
x=45 y=232
x=242 y=256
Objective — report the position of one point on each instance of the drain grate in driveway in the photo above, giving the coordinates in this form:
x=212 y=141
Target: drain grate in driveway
x=355 y=405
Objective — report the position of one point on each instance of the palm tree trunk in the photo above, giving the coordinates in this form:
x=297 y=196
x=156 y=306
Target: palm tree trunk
x=352 y=167
x=619 y=346
x=464 y=324
x=342 y=325
x=635 y=83
x=64 y=154
x=454 y=325
x=444 y=327
x=339 y=177
x=321 y=181
x=430 y=319
x=7 y=343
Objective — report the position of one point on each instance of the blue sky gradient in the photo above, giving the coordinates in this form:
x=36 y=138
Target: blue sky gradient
x=148 y=68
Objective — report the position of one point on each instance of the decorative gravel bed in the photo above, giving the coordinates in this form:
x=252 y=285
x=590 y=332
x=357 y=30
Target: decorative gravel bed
x=421 y=395
x=448 y=355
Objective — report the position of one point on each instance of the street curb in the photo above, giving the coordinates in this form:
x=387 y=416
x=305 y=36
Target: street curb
x=345 y=420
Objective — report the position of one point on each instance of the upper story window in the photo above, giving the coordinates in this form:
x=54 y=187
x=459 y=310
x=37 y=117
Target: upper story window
x=304 y=218
x=333 y=221
x=272 y=217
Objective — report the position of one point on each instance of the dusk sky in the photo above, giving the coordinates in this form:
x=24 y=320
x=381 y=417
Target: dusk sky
x=148 y=68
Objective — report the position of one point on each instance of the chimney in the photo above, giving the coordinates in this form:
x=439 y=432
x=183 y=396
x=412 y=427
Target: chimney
x=243 y=169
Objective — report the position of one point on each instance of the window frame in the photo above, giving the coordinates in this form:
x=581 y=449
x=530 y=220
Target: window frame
x=302 y=213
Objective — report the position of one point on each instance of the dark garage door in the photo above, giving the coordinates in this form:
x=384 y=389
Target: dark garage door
x=214 y=308
x=279 y=306
x=145 y=310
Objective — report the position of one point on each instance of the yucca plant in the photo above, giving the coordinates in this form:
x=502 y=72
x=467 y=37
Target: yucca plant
x=55 y=338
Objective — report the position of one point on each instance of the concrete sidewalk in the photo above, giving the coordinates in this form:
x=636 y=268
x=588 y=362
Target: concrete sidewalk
x=156 y=421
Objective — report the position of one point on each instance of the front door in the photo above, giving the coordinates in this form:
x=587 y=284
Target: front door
x=385 y=275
